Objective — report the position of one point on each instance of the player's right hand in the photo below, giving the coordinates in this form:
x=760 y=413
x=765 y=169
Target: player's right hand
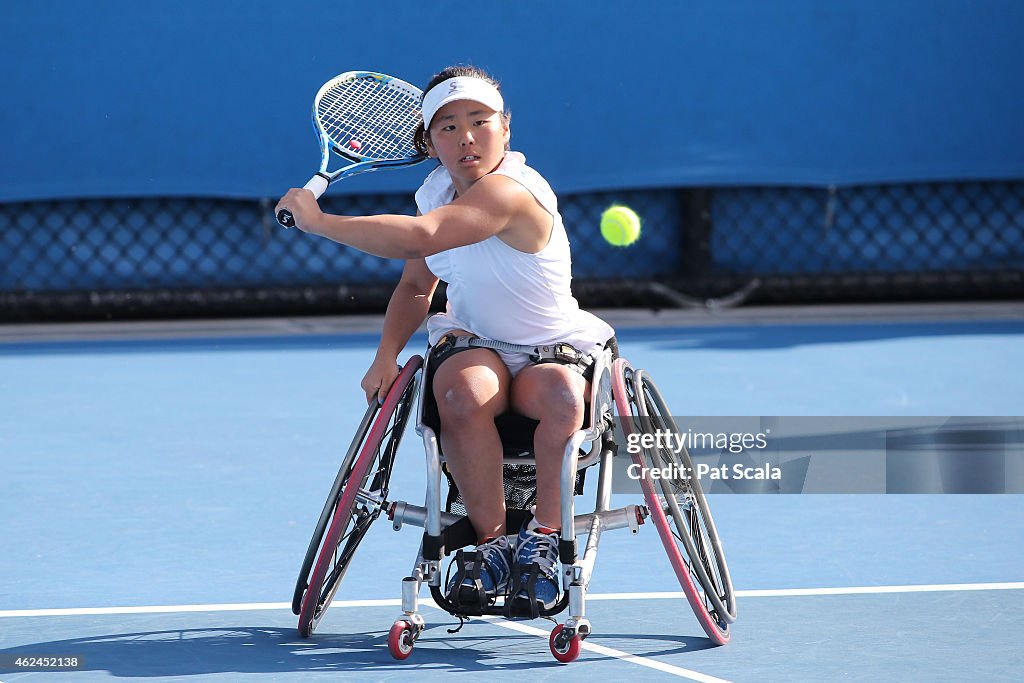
x=379 y=378
x=303 y=206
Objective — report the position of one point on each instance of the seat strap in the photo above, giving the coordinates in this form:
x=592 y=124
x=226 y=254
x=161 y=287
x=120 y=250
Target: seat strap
x=562 y=353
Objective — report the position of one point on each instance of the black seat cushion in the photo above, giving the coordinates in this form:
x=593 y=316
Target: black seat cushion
x=516 y=432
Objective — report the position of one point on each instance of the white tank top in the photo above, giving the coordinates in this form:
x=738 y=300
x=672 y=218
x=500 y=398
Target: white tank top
x=499 y=292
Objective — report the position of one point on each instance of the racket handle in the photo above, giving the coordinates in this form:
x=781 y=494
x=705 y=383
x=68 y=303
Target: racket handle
x=317 y=185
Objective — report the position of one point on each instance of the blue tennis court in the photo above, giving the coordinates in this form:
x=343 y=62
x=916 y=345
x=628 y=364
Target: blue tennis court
x=161 y=481
x=805 y=181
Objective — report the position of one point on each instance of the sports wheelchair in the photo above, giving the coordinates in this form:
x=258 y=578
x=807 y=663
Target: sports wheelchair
x=624 y=401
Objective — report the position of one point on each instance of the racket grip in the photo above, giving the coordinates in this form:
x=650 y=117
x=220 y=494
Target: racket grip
x=317 y=185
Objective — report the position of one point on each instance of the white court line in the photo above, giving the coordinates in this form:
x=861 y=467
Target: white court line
x=843 y=590
x=395 y=602
x=522 y=628
x=868 y=590
x=706 y=678
x=170 y=609
x=609 y=652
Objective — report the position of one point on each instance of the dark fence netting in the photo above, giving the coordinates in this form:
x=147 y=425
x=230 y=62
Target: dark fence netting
x=156 y=257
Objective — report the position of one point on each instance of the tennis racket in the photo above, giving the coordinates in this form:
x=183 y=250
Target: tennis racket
x=367 y=118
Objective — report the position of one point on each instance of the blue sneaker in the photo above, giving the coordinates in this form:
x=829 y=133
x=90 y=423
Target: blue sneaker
x=540 y=549
x=482 y=575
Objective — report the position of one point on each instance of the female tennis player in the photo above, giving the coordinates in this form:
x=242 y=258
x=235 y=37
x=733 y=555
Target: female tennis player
x=488 y=225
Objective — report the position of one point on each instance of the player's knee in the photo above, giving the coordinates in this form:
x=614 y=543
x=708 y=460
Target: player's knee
x=564 y=404
x=461 y=402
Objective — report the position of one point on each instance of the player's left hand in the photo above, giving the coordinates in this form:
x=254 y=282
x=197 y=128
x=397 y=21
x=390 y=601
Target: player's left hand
x=303 y=207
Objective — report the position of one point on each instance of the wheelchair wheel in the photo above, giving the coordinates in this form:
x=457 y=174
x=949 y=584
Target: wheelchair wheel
x=564 y=647
x=356 y=499
x=680 y=511
x=401 y=638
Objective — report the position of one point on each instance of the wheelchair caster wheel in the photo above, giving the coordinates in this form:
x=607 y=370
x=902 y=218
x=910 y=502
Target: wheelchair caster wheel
x=400 y=639
x=564 y=647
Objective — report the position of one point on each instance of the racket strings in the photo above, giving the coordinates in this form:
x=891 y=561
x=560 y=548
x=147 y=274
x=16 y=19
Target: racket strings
x=370 y=119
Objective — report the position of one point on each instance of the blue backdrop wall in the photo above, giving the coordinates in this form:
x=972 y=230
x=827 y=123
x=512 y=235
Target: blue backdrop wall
x=111 y=98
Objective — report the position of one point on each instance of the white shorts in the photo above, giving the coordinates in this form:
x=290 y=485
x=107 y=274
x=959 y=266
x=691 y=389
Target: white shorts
x=441 y=323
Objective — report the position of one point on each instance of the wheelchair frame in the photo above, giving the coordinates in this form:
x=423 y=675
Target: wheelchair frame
x=359 y=496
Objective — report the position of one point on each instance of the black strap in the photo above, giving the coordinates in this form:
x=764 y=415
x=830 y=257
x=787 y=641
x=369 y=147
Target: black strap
x=562 y=353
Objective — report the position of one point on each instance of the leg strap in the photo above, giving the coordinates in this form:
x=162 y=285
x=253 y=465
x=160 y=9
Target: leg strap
x=468 y=565
x=524 y=577
x=448 y=345
x=561 y=352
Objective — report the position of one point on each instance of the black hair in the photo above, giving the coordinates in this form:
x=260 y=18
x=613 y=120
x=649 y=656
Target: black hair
x=457 y=71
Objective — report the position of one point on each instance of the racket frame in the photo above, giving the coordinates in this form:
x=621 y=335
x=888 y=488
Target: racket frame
x=361 y=163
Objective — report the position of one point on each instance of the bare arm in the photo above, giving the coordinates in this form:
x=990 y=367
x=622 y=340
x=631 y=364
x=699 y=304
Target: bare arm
x=407 y=309
x=492 y=205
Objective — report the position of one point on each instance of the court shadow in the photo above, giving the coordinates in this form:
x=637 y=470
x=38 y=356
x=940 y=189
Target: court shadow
x=252 y=650
x=652 y=645
x=256 y=650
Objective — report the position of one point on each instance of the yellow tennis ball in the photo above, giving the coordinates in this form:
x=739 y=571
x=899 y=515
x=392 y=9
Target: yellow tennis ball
x=620 y=226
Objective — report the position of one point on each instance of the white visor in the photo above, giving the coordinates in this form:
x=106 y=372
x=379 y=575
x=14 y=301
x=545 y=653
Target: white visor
x=460 y=88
